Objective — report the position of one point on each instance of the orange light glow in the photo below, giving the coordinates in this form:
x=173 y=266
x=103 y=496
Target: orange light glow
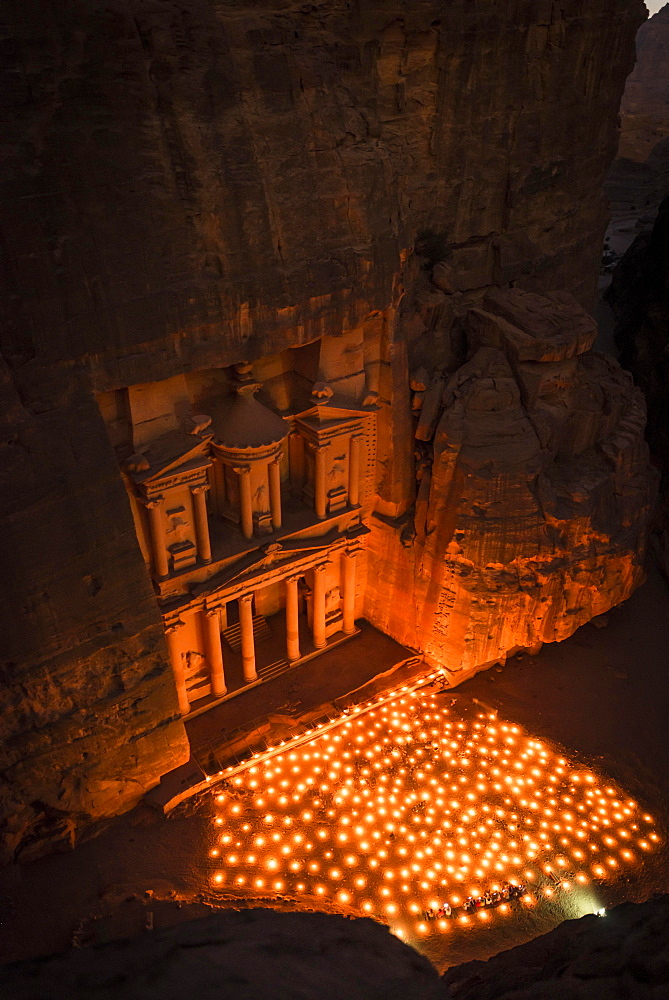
x=402 y=809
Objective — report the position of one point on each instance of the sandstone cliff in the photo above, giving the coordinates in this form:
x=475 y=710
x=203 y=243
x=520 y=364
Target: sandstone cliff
x=188 y=186
x=639 y=297
x=644 y=110
x=639 y=177
x=534 y=490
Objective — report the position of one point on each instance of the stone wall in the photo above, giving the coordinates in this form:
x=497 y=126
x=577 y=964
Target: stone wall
x=190 y=185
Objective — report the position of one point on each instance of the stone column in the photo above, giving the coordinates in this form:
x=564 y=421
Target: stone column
x=292 y=619
x=275 y=491
x=176 y=659
x=215 y=652
x=154 y=507
x=354 y=470
x=245 y=499
x=348 y=560
x=318 y=607
x=320 y=498
x=248 y=643
x=201 y=523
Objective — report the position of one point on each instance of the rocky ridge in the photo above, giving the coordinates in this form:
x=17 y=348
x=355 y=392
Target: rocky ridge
x=299 y=956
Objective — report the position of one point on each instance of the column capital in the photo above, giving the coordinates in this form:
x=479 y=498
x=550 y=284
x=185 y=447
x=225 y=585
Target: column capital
x=245 y=598
x=322 y=446
x=320 y=567
x=211 y=612
x=174 y=626
x=241 y=470
x=357 y=436
x=200 y=488
x=276 y=459
x=151 y=503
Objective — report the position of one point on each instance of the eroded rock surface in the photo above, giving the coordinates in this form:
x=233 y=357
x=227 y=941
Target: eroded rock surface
x=534 y=493
x=639 y=297
x=624 y=954
x=242 y=955
x=639 y=177
x=299 y=956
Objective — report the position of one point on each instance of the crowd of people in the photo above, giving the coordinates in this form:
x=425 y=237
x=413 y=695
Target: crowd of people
x=471 y=904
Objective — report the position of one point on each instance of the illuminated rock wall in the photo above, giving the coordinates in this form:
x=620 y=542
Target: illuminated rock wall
x=186 y=187
x=534 y=494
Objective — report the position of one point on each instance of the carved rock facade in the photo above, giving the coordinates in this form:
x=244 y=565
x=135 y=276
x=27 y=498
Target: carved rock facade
x=189 y=188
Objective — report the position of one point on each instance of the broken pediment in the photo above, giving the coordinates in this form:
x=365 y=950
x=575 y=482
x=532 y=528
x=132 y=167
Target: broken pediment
x=168 y=454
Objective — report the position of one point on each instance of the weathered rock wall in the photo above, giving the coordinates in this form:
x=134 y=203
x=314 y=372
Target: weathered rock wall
x=534 y=495
x=190 y=185
x=624 y=954
x=639 y=177
x=639 y=297
x=644 y=109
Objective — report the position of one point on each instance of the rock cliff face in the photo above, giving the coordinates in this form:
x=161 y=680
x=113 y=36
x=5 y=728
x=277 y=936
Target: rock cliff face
x=534 y=490
x=189 y=186
x=644 y=110
x=639 y=297
x=639 y=177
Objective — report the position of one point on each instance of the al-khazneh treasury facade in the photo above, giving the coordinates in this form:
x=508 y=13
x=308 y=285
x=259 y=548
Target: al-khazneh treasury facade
x=255 y=510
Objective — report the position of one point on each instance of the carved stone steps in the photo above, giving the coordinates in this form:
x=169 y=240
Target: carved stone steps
x=233 y=635
x=273 y=670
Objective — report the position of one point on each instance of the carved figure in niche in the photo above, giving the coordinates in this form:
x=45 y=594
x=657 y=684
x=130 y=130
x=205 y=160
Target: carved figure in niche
x=260 y=503
x=176 y=523
x=332 y=600
x=335 y=471
x=195 y=662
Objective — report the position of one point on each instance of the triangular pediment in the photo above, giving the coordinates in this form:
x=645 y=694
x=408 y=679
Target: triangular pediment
x=171 y=453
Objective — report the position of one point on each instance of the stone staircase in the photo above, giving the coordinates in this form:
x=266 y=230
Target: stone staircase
x=233 y=635
x=273 y=670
